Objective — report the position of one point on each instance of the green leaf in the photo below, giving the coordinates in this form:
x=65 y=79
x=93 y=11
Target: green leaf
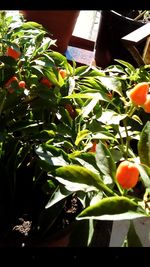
x=2 y=99
x=88 y=161
x=112 y=208
x=51 y=75
x=71 y=85
x=22 y=125
x=73 y=96
x=8 y=61
x=32 y=25
x=22 y=153
x=94 y=84
x=84 y=229
x=49 y=159
x=126 y=64
x=132 y=237
x=111 y=117
x=112 y=83
x=80 y=136
x=105 y=161
x=82 y=177
x=136 y=118
x=103 y=135
x=144 y=145
x=81 y=70
x=48 y=217
x=145 y=174
x=44 y=45
x=59 y=194
x=89 y=107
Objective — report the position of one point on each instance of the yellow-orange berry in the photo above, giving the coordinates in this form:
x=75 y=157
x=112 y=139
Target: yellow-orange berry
x=63 y=73
x=139 y=93
x=127 y=174
x=93 y=148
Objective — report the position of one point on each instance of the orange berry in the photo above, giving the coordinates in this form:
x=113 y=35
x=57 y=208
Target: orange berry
x=12 y=79
x=93 y=148
x=22 y=84
x=110 y=95
x=146 y=105
x=71 y=110
x=46 y=82
x=15 y=53
x=127 y=174
x=139 y=93
x=10 y=90
x=63 y=73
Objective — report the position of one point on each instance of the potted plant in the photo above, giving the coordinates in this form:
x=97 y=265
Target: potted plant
x=58 y=23
x=113 y=25
x=74 y=143
x=34 y=79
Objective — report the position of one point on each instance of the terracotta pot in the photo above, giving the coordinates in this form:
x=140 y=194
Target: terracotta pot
x=59 y=23
x=112 y=27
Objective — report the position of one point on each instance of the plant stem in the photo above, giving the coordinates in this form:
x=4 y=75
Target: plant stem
x=127 y=136
x=140 y=15
x=131 y=110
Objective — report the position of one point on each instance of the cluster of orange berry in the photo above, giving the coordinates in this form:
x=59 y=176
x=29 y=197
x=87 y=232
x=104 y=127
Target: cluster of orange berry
x=16 y=53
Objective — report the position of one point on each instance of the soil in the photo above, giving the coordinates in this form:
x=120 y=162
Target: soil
x=21 y=232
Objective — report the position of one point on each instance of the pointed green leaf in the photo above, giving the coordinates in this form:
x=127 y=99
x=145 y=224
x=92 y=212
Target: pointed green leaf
x=32 y=25
x=2 y=99
x=89 y=107
x=81 y=70
x=112 y=83
x=126 y=64
x=145 y=174
x=144 y=145
x=132 y=237
x=81 y=176
x=104 y=160
x=84 y=229
x=48 y=160
x=136 y=118
x=73 y=96
x=111 y=117
x=59 y=194
x=112 y=208
x=80 y=136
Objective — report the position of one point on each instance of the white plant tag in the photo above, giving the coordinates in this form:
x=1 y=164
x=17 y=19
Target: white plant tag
x=119 y=232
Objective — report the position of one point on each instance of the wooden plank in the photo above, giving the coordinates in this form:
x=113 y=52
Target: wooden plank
x=82 y=43
x=138 y=35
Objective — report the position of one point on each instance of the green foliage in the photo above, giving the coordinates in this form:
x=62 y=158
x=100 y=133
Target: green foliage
x=67 y=135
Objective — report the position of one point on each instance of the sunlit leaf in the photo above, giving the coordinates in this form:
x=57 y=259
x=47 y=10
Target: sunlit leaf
x=144 y=145
x=112 y=208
